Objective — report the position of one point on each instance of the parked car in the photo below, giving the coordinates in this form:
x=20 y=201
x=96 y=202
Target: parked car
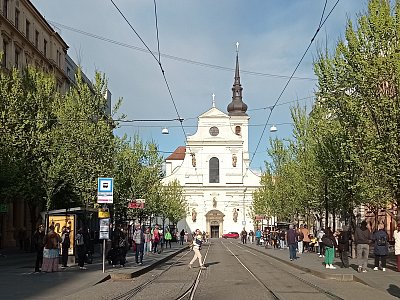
x=231 y=235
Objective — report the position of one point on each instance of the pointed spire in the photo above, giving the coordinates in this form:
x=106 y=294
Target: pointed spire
x=213 y=101
x=237 y=107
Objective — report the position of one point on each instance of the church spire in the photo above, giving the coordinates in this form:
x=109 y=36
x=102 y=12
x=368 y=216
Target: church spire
x=237 y=107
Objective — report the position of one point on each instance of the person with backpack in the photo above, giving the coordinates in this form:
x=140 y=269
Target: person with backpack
x=121 y=245
x=381 y=249
x=65 y=244
x=80 y=249
x=197 y=241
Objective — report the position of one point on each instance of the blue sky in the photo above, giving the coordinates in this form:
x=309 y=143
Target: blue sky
x=273 y=35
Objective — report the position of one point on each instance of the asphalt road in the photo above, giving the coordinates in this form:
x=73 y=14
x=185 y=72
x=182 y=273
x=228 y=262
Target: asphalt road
x=234 y=272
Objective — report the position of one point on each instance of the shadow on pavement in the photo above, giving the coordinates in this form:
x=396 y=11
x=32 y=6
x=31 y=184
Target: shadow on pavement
x=394 y=290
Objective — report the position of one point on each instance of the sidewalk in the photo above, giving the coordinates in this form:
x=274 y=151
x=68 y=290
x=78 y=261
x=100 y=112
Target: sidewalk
x=309 y=262
x=18 y=281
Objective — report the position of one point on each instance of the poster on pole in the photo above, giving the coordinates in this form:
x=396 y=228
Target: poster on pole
x=104 y=233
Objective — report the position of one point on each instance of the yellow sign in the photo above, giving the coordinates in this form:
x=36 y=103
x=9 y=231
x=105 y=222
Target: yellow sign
x=59 y=222
x=103 y=214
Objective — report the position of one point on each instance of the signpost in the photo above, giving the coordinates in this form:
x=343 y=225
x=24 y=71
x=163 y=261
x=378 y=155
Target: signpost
x=104 y=234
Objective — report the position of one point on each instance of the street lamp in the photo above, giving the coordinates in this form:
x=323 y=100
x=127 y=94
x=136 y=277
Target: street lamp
x=273 y=128
x=165 y=130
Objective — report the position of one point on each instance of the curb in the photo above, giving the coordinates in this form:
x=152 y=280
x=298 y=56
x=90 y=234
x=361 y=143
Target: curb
x=130 y=275
x=339 y=277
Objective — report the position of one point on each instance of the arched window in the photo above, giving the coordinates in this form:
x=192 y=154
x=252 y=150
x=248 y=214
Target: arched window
x=238 y=130
x=214 y=170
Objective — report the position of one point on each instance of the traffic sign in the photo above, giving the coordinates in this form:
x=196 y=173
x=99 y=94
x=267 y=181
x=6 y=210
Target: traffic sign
x=105 y=190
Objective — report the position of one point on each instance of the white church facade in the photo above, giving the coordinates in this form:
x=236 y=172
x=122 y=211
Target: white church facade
x=213 y=169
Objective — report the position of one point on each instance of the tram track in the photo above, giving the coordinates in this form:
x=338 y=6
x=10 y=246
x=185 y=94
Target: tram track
x=130 y=294
x=270 y=290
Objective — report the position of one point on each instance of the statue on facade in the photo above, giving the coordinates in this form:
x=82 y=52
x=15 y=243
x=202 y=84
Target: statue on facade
x=193 y=159
x=214 y=202
x=194 y=215
x=234 y=160
x=235 y=215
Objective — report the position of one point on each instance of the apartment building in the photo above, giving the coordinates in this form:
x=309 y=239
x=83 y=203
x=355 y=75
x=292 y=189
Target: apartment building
x=26 y=38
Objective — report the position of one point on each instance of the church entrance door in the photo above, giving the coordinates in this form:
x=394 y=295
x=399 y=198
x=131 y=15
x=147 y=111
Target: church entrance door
x=214 y=231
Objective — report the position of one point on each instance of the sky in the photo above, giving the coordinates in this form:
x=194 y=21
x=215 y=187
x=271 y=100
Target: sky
x=197 y=40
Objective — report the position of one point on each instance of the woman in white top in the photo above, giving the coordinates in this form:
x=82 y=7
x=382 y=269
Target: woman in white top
x=197 y=241
x=396 y=235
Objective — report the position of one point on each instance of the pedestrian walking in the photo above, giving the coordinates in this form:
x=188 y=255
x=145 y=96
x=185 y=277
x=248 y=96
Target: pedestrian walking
x=251 y=236
x=381 y=247
x=306 y=238
x=51 y=251
x=321 y=246
x=38 y=240
x=243 y=234
x=330 y=245
x=138 y=238
x=80 y=249
x=197 y=242
x=258 y=237
x=155 y=238
x=65 y=244
x=396 y=236
x=182 y=236
x=300 y=237
x=362 y=238
x=292 y=242
x=344 y=246
x=282 y=239
x=168 y=239
x=147 y=242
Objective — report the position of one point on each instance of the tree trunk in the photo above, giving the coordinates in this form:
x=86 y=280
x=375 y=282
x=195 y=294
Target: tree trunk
x=326 y=203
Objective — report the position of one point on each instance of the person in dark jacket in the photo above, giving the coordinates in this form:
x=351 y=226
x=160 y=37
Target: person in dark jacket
x=381 y=249
x=292 y=242
x=38 y=239
x=344 y=245
x=362 y=238
x=65 y=244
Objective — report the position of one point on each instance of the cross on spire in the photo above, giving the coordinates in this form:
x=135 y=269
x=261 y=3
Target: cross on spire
x=213 y=100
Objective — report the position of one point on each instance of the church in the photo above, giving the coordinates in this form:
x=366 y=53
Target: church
x=213 y=169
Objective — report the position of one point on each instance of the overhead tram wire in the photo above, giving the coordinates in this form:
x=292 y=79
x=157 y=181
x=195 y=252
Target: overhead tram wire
x=294 y=71
x=176 y=58
x=159 y=64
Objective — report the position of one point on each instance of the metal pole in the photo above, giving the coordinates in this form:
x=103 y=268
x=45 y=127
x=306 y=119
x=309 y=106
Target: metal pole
x=104 y=255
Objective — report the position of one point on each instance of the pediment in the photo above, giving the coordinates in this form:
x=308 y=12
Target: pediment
x=214 y=113
x=215 y=213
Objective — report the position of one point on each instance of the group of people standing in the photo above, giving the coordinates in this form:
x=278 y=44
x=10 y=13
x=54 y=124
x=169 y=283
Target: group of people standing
x=50 y=244
x=329 y=242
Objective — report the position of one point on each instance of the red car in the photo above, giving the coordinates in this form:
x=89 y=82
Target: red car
x=231 y=235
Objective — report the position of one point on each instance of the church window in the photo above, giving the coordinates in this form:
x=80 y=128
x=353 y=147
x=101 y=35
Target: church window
x=214 y=170
x=238 y=130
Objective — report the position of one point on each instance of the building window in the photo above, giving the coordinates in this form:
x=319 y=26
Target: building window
x=238 y=130
x=5 y=8
x=27 y=29
x=59 y=58
x=37 y=39
x=5 y=54
x=214 y=170
x=16 y=20
x=17 y=56
x=45 y=47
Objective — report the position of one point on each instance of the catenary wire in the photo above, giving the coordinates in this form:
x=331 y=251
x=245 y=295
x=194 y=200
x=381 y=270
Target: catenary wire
x=176 y=58
x=294 y=71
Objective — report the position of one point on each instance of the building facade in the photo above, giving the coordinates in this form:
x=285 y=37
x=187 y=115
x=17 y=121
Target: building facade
x=213 y=169
x=27 y=39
